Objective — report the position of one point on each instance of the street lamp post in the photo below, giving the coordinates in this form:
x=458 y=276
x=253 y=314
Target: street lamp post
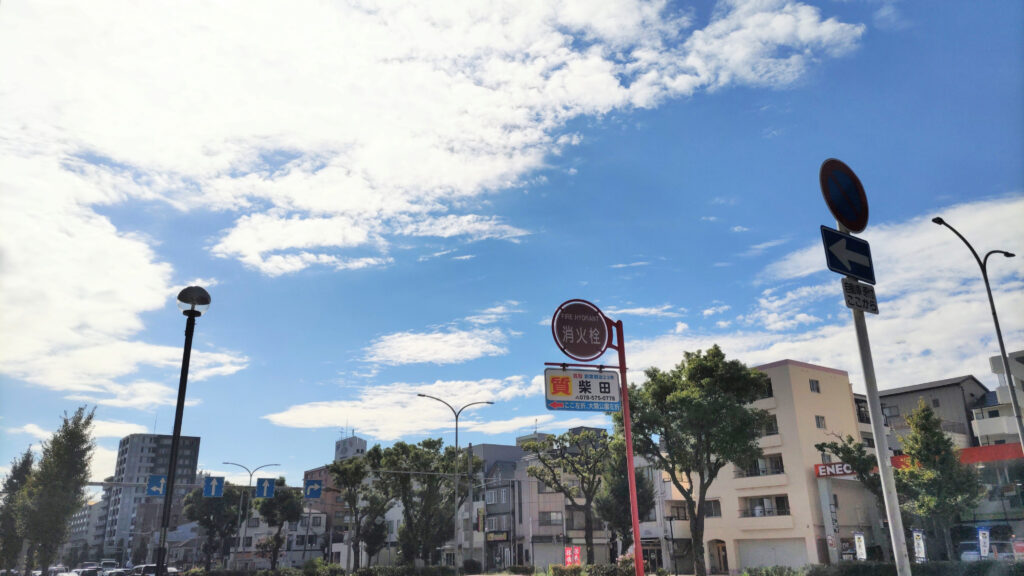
x=241 y=498
x=456 y=413
x=192 y=301
x=983 y=264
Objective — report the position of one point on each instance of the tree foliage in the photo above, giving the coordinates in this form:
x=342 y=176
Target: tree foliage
x=374 y=532
x=11 y=538
x=56 y=490
x=695 y=419
x=573 y=464
x=363 y=500
x=218 y=517
x=936 y=485
x=284 y=507
x=612 y=501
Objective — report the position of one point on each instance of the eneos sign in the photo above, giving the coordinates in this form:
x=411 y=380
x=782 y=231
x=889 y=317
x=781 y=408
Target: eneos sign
x=833 y=469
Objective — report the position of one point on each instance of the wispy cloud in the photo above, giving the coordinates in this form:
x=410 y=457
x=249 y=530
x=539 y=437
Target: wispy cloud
x=495 y=313
x=758 y=249
x=439 y=347
x=740 y=229
x=663 y=311
x=630 y=265
x=718 y=309
x=709 y=218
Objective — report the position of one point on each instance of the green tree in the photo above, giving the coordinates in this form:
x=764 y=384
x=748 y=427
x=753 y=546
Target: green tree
x=420 y=477
x=695 y=419
x=57 y=488
x=11 y=538
x=573 y=464
x=612 y=502
x=354 y=483
x=937 y=486
x=218 y=517
x=374 y=533
x=284 y=507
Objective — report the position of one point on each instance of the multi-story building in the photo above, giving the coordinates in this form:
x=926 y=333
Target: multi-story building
x=994 y=421
x=952 y=399
x=779 y=511
x=305 y=539
x=497 y=543
x=547 y=520
x=85 y=534
x=139 y=456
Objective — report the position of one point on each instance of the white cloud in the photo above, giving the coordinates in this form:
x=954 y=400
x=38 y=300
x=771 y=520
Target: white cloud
x=709 y=218
x=680 y=328
x=758 y=249
x=630 y=265
x=464 y=257
x=440 y=347
x=740 y=229
x=934 y=319
x=663 y=311
x=716 y=310
x=32 y=430
x=116 y=429
x=395 y=411
x=497 y=313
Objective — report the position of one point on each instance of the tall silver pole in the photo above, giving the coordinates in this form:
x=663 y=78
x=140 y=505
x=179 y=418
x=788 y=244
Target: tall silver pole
x=892 y=503
x=245 y=519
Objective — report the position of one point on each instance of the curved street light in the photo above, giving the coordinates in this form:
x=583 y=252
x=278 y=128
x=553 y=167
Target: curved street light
x=192 y=301
x=455 y=498
x=983 y=264
x=241 y=498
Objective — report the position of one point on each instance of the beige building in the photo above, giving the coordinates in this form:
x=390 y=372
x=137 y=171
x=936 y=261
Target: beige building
x=994 y=421
x=778 y=512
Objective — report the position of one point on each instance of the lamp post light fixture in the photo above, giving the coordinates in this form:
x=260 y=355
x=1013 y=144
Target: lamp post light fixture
x=455 y=499
x=241 y=498
x=983 y=264
x=192 y=301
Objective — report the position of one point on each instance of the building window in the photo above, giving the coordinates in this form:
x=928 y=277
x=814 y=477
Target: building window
x=490 y=499
x=543 y=488
x=767 y=391
x=826 y=458
x=935 y=402
x=765 y=506
x=317 y=520
x=891 y=411
x=247 y=542
x=300 y=539
x=293 y=526
x=712 y=509
x=550 y=519
x=869 y=442
x=993 y=413
x=815 y=386
x=504 y=495
x=1000 y=442
x=771 y=428
x=819 y=421
x=679 y=513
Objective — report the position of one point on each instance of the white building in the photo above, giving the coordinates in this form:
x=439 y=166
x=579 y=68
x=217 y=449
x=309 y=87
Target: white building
x=304 y=540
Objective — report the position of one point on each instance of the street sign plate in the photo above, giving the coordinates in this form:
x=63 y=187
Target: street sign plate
x=265 y=488
x=156 y=484
x=844 y=194
x=580 y=330
x=582 y=390
x=311 y=488
x=213 y=487
x=848 y=255
x=859 y=296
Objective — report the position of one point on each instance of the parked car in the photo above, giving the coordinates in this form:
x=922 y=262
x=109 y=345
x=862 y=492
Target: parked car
x=108 y=564
x=997 y=550
x=150 y=570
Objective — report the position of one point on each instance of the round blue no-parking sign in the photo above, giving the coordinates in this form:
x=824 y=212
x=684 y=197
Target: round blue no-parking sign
x=844 y=195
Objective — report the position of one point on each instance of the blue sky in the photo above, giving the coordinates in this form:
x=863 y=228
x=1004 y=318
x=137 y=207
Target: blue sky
x=391 y=200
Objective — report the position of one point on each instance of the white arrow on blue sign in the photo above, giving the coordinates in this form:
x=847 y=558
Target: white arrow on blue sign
x=312 y=488
x=848 y=255
x=265 y=488
x=156 y=485
x=213 y=487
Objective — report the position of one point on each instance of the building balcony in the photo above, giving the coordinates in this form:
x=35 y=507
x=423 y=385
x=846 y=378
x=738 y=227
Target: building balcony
x=1003 y=393
x=765 y=403
x=776 y=479
x=770 y=441
x=767 y=520
x=995 y=426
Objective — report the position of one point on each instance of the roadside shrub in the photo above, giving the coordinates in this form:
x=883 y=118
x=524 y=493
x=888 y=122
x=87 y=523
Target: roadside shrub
x=772 y=571
x=559 y=570
x=603 y=570
x=472 y=566
x=625 y=563
x=520 y=569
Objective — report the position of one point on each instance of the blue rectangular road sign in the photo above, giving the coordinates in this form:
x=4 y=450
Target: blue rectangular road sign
x=265 y=488
x=312 y=488
x=156 y=485
x=213 y=487
x=848 y=255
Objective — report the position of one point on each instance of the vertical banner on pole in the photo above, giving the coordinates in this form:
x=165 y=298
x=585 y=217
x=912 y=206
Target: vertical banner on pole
x=860 y=546
x=983 y=542
x=920 y=554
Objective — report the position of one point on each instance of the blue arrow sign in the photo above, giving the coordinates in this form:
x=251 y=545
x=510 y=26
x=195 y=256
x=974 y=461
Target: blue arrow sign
x=213 y=487
x=265 y=488
x=312 y=488
x=156 y=485
x=848 y=255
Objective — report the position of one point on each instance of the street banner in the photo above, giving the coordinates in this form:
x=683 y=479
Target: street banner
x=983 y=542
x=862 y=549
x=920 y=554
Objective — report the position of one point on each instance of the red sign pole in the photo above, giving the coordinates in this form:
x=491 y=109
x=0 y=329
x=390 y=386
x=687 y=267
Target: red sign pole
x=620 y=345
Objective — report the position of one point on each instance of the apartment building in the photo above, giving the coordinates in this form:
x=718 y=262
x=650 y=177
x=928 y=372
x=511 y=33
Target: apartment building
x=548 y=521
x=305 y=539
x=994 y=421
x=779 y=511
x=952 y=400
x=488 y=527
x=85 y=533
x=139 y=456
